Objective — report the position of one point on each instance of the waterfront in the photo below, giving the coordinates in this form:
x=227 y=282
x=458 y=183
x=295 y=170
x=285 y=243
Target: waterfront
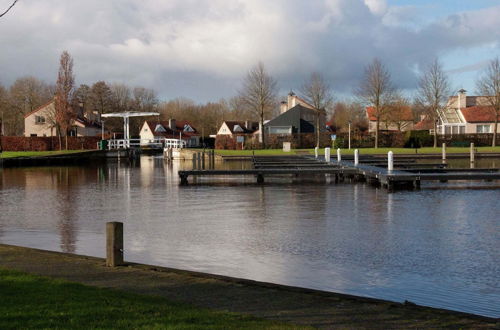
x=436 y=247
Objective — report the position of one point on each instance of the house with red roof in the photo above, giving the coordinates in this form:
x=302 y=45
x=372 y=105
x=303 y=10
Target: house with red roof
x=40 y=122
x=393 y=118
x=171 y=129
x=467 y=115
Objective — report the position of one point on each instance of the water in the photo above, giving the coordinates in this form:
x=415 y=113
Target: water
x=435 y=247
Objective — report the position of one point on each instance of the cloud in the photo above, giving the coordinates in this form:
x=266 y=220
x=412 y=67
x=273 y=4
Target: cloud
x=201 y=49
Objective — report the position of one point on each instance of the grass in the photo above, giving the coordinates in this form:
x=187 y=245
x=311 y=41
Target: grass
x=371 y=151
x=12 y=154
x=28 y=301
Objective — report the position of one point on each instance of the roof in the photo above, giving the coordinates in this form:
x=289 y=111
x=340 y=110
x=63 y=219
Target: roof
x=405 y=114
x=179 y=125
x=39 y=108
x=246 y=130
x=479 y=114
x=424 y=125
x=298 y=118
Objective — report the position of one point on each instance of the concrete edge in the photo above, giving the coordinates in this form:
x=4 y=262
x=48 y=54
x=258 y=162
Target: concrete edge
x=268 y=285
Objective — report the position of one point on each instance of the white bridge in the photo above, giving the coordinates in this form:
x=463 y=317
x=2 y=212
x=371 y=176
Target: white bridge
x=161 y=143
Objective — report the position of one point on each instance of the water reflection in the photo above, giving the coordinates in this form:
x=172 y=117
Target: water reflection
x=433 y=247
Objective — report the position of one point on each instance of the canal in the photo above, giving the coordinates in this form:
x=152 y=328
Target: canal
x=436 y=247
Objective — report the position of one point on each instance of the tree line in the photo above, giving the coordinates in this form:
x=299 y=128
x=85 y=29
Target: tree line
x=257 y=99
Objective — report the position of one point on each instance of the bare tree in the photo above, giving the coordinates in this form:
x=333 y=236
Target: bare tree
x=489 y=85
x=376 y=90
x=433 y=90
x=259 y=94
x=64 y=95
x=318 y=93
x=8 y=9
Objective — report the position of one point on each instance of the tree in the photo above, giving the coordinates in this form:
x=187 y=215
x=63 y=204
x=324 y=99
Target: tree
x=317 y=92
x=81 y=98
x=259 y=94
x=144 y=99
x=433 y=90
x=64 y=95
x=9 y=8
x=100 y=97
x=376 y=90
x=489 y=85
x=25 y=95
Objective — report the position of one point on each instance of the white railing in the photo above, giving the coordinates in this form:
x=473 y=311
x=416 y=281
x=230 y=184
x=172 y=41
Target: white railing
x=158 y=143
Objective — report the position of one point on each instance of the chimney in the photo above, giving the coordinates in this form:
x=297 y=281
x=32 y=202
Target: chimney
x=462 y=98
x=291 y=100
x=283 y=106
x=247 y=125
x=171 y=124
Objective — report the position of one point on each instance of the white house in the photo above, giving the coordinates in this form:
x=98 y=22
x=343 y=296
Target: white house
x=171 y=129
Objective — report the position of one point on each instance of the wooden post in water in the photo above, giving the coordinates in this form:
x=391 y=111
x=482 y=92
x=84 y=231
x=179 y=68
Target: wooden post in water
x=114 y=244
x=356 y=157
x=203 y=160
x=213 y=159
x=316 y=152
x=198 y=160
x=194 y=161
x=444 y=152
x=390 y=161
x=327 y=155
x=339 y=155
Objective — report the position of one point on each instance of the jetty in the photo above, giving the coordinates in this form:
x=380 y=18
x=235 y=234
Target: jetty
x=386 y=171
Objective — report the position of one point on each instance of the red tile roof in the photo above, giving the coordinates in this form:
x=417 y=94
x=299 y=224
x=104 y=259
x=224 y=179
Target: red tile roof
x=406 y=114
x=424 y=125
x=38 y=109
x=179 y=125
x=479 y=114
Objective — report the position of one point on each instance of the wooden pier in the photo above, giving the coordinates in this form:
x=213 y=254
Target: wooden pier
x=406 y=172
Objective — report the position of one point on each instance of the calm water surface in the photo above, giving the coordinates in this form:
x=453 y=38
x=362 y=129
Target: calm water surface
x=436 y=247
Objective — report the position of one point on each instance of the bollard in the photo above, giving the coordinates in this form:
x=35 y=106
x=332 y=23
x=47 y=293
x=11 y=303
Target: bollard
x=390 y=161
x=114 y=244
x=339 y=156
x=327 y=155
x=316 y=152
x=356 y=157
x=444 y=152
x=472 y=152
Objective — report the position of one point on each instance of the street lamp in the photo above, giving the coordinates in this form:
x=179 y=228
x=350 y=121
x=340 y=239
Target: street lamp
x=349 y=135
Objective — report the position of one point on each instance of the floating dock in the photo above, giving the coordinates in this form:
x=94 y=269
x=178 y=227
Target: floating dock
x=406 y=172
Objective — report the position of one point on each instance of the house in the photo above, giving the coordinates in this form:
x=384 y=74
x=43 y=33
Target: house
x=296 y=116
x=171 y=129
x=40 y=122
x=467 y=115
x=394 y=118
x=235 y=128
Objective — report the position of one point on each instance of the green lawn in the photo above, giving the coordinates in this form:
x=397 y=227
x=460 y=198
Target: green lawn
x=28 y=301
x=11 y=154
x=371 y=151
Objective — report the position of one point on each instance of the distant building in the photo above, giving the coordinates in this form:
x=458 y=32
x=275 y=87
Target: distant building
x=40 y=122
x=235 y=128
x=171 y=129
x=466 y=115
x=399 y=118
x=296 y=116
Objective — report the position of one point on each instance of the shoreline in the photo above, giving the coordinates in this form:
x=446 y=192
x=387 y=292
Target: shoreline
x=262 y=299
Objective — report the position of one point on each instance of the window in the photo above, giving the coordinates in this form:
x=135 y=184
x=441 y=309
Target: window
x=483 y=129
x=39 y=120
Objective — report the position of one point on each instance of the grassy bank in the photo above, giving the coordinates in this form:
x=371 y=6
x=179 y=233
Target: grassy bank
x=371 y=151
x=12 y=154
x=28 y=301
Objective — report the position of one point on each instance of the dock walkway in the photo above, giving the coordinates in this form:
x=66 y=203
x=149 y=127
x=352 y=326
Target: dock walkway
x=407 y=173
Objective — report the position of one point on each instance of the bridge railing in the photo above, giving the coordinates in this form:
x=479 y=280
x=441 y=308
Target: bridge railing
x=137 y=143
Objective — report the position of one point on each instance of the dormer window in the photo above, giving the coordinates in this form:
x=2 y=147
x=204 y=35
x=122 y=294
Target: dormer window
x=188 y=128
x=237 y=128
x=159 y=128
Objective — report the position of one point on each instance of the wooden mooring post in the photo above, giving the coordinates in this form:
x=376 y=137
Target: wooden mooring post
x=327 y=155
x=390 y=161
x=356 y=157
x=472 y=153
x=443 y=152
x=339 y=155
x=203 y=160
x=114 y=244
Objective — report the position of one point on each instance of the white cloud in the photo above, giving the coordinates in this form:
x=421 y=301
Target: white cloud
x=202 y=48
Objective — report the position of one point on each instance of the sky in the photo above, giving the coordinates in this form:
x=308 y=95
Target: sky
x=202 y=49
